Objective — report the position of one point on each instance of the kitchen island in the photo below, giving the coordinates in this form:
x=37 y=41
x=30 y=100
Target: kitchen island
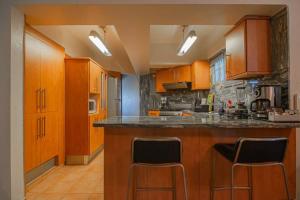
x=198 y=134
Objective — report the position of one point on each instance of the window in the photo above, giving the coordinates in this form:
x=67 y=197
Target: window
x=218 y=69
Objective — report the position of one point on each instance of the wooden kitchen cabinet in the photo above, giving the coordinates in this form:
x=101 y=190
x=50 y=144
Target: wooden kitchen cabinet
x=200 y=75
x=172 y=75
x=43 y=100
x=248 y=49
x=32 y=130
x=82 y=139
x=49 y=135
x=94 y=78
x=163 y=76
x=182 y=73
x=96 y=134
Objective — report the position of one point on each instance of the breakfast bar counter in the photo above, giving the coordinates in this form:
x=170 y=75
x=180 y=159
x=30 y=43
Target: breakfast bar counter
x=198 y=134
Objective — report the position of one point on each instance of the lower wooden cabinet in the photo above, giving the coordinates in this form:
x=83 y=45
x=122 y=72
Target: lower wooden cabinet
x=32 y=130
x=49 y=135
x=96 y=134
x=41 y=138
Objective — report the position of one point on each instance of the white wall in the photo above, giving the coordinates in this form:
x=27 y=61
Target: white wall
x=10 y=135
x=5 y=131
x=16 y=118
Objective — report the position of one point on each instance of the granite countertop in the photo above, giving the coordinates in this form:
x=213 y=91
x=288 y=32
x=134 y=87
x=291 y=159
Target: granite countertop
x=195 y=121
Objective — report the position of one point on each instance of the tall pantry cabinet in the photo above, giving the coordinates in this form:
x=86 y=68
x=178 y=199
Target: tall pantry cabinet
x=86 y=81
x=43 y=100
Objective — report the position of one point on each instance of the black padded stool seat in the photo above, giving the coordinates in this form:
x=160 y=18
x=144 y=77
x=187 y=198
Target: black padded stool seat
x=250 y=152
x=254 y=150
x=159 y=151
x=227 y=150
x=156 y=152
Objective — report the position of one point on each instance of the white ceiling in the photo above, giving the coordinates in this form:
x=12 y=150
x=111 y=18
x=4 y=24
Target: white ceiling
x=165 y=40
x=138 y=43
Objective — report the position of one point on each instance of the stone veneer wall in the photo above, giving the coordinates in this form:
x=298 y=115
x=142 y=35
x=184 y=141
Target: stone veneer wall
x=149 y=99
x=280 y=67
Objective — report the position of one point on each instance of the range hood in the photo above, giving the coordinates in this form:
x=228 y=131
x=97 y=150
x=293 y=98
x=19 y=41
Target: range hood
x=177 y=85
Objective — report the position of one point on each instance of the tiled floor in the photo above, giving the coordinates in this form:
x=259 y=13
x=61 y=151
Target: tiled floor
x=70 y=183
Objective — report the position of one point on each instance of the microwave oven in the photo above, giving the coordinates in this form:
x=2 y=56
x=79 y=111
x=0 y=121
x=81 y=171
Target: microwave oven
x=92 y=106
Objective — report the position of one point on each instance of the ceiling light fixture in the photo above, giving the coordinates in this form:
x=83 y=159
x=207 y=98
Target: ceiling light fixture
x=97 y=41
x=187 y=42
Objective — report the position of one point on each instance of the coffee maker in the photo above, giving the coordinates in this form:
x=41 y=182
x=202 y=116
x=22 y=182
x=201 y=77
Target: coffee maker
x=267 y=97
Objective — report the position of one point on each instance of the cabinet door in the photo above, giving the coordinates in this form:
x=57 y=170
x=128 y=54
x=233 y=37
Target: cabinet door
x=200 y=75
x=32 y=75
x=52 y=77
x=49 y=138
x=182 y=73
x=164 y=76
x=236 y=50
x=94 y=134
x=94 y=78
x=32 y=133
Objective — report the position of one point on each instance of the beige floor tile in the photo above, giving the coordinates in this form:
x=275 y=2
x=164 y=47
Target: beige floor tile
x=70 y=182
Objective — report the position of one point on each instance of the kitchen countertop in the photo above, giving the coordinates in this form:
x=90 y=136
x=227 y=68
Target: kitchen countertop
x=195 y=121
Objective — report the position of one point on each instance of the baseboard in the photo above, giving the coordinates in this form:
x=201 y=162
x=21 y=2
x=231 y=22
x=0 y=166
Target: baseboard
x=83 y=159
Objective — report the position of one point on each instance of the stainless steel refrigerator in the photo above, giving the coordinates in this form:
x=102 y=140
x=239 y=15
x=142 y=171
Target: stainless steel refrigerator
x=114 y=102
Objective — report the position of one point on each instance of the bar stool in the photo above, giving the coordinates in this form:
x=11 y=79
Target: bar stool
x=250 y=152
x=157 y=152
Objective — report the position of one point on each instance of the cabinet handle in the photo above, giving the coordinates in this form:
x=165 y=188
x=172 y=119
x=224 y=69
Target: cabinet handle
x=44 y=126
x=43 y=98
x=38 y=99
x=38 y=131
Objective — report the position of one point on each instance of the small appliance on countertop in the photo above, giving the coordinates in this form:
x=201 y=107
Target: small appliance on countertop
x=201 y=105
x=267 y=99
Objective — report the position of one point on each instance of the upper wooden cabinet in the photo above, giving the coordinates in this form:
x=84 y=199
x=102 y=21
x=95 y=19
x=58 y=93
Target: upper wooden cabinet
x=182 y=73
x=163 y=76
x=172 y=75
x=248 y=49
x=94 y=78
x=200 y=75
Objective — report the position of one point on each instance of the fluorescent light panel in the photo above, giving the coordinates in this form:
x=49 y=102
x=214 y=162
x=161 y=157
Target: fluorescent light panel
x=95 y=38
x=187 y=43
